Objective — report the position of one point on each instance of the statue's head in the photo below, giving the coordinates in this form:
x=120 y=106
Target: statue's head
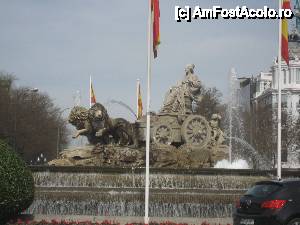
x=189 y=68
x=78 y=115
x=98 y=112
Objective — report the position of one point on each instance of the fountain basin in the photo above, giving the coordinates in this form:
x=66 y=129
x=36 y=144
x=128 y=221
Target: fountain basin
x=95 y=191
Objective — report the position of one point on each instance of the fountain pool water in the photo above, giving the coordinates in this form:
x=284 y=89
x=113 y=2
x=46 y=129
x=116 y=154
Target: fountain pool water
x=250 y=155
x=236 y=164
x=111 y=192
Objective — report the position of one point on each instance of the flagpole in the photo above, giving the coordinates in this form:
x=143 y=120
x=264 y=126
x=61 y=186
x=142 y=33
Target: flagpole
x=90 y=91
x=137 y=97
x=147 y=180
x=279 y=100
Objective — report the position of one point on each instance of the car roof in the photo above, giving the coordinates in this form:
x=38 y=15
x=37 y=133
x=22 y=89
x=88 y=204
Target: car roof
x=284 y=182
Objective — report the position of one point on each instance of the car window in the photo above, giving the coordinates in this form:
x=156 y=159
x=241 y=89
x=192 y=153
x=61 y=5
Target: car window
x=262 y=190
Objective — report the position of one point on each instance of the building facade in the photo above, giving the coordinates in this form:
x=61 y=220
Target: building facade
x=261 y=91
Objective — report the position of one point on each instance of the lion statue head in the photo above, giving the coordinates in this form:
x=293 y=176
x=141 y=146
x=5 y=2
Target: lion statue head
x=78 y=116
x=98 y=113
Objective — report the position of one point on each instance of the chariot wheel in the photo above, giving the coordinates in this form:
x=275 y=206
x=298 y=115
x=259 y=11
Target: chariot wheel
x=196 y=131
x=162 y=134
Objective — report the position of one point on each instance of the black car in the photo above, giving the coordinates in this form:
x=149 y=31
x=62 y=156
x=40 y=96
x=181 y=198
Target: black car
x=269 y=203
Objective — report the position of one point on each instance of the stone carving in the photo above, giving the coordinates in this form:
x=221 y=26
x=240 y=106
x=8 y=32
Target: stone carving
x=179 y=138
x=217 y=137
x=180 y=97
x=196 y=131
x=294 y=35
x=99 y=128
x=118 y=156
x=176 y=129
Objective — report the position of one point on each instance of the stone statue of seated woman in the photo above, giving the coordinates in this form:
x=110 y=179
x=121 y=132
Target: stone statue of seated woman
x=179 y=98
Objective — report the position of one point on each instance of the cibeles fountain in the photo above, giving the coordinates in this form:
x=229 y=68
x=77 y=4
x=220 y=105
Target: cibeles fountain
x=180 y=138
x=107 y=177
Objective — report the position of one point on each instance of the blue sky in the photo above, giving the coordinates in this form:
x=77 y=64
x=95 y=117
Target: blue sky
x=55 y=45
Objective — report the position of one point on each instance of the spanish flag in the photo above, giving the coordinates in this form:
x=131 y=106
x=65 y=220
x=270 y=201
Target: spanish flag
x=155 y=15
x=140 y=103
x=284 y=33
x=92 y=94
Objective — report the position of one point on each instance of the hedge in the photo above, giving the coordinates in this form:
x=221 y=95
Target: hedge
x=16 y=183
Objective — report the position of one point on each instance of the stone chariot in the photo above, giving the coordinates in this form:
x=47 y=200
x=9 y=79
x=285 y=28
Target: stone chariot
x=176 y=123
x=176 y=129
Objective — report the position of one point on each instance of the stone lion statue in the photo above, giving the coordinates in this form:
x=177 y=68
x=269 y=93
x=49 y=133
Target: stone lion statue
x=98 y=127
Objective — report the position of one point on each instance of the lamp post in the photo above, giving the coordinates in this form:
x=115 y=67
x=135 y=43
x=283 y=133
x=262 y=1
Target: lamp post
x=58 y=133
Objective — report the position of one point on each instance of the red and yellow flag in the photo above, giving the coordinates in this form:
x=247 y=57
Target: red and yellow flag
x=285 y=33
x=155 y=16
x=92 y=95
x=140 y=103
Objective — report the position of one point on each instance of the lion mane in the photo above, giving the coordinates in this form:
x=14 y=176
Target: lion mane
x=78 y=116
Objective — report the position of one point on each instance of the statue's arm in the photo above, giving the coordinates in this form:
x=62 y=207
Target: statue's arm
x=80 y=132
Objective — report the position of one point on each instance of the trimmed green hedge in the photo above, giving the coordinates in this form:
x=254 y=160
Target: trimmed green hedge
x=16 y=183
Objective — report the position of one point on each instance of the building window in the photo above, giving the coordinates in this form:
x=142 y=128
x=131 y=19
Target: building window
x=290 y=76
x=298 y=76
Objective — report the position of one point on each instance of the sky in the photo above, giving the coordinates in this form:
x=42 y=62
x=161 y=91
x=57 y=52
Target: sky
x=55 y=45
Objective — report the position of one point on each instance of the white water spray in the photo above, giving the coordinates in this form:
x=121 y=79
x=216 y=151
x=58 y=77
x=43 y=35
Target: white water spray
x=236 y=164
x=232 y=103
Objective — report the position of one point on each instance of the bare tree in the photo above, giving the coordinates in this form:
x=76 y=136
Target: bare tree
x=290 y=133
x=264 y=132
x=210 y=103
x=260 y=127
x=30 y=121
x=6 y=81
